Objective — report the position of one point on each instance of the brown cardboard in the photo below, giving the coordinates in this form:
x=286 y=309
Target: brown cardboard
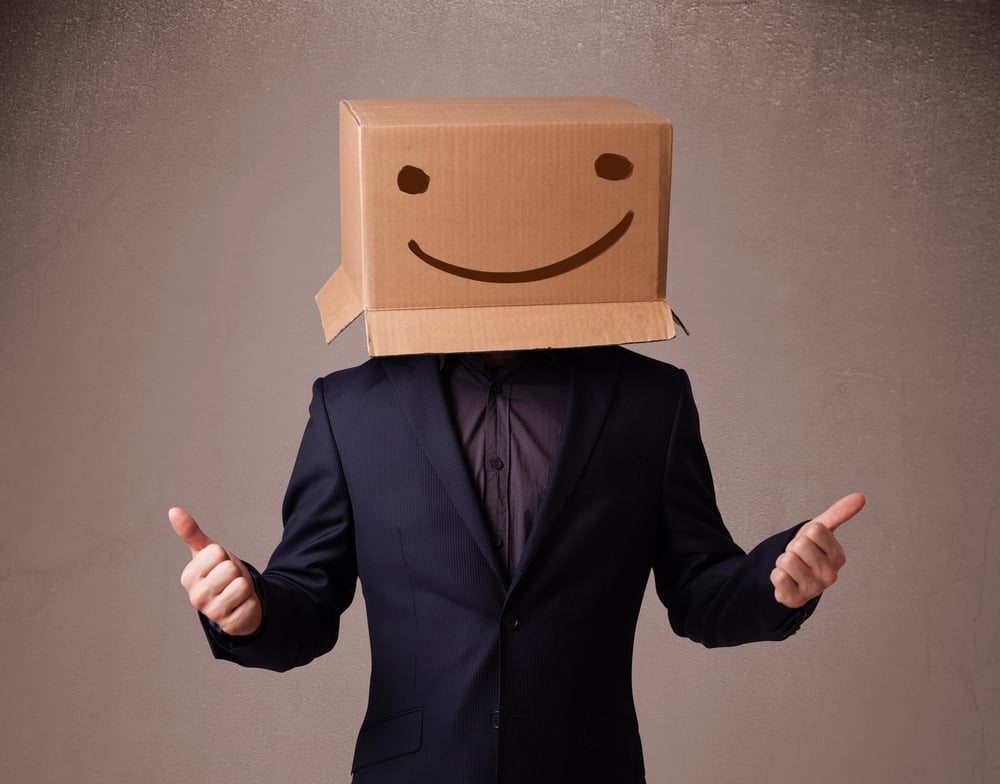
x=505 y=223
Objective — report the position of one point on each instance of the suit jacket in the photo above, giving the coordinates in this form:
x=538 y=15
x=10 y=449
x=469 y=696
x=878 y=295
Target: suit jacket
x=476 y=678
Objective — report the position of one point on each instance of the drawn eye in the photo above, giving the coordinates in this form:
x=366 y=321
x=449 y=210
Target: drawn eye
x=613 y=167
x=413 y=180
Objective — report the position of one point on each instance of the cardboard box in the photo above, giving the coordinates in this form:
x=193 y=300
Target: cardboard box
x=501 y=224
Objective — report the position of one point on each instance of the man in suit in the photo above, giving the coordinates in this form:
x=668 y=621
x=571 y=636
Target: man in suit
x=486 y=665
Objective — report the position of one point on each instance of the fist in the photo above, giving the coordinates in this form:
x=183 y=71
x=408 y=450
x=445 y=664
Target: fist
x=814 y=557
x=218 y=584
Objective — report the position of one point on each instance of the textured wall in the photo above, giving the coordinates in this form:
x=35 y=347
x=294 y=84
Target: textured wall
x=169 y=206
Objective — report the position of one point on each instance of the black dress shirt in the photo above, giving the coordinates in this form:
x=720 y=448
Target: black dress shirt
x=508 y=420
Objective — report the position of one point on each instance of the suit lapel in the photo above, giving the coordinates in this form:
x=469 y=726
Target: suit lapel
x=593 y=377
x=417 y=381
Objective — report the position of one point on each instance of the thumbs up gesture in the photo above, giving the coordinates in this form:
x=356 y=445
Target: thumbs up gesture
x=813 y=558
x=218 y=584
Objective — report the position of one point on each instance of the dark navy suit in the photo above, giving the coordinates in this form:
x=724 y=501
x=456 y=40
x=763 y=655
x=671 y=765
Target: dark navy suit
x=477 y=678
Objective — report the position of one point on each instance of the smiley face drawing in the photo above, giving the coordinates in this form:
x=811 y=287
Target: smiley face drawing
x=609 y=166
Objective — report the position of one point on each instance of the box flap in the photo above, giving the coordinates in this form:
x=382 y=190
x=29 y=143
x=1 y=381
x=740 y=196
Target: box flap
x=338 y=302
x=516 y=327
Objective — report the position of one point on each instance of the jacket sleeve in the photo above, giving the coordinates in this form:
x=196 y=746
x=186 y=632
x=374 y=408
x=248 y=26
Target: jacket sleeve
x=312 y=574
x=715 y=593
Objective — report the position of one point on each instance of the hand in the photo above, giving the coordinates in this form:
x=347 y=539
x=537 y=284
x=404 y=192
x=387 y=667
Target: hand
x=812 y=559
x=218 y=584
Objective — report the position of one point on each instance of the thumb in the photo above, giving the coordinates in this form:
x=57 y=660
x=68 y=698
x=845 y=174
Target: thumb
x=842 y=511
x=187 y=529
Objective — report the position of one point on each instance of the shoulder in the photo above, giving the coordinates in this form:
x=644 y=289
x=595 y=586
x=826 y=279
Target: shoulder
x=640 y=363
x=633 y=367
x=357 y=377
x=375 y=378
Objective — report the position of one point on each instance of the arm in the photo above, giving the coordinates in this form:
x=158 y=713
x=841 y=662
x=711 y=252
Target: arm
x=715 y=593
x=312 y=574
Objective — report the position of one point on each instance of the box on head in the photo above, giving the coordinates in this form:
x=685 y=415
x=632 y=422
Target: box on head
x=501 y=224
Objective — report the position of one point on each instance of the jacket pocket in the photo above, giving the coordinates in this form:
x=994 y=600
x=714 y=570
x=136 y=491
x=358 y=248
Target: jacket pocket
x=614 y=736
x=390 y=737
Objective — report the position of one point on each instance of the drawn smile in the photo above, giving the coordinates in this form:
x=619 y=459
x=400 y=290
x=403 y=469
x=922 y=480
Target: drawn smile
x=561 y=267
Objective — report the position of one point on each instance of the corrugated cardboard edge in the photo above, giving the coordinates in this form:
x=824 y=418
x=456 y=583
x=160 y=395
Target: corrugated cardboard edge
x=515 y=327
x=666 y=170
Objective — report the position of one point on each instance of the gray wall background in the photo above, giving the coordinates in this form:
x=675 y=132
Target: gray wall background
x=169 y=206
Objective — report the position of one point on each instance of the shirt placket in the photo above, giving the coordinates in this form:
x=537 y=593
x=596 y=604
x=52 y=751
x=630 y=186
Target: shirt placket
x=497 y=469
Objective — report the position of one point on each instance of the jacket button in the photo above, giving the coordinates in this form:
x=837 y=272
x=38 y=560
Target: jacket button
x=495 y=720
x=510 y=622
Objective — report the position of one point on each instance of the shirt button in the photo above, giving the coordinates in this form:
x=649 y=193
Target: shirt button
x=510 y=622
x=496 y=463
x=498 y=542
x=495 y=720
